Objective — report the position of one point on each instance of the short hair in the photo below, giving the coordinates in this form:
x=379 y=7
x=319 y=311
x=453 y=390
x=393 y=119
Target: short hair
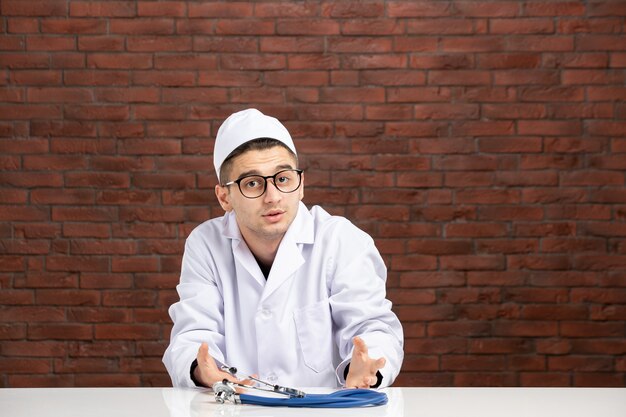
x=253 y=145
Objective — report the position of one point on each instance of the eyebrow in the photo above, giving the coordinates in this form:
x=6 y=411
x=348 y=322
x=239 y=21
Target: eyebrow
x=257 y=172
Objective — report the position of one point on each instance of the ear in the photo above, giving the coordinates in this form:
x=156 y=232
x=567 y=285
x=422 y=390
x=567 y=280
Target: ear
x=223 y=196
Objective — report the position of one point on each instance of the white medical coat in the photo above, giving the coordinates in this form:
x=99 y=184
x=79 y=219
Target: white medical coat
x=326 y=285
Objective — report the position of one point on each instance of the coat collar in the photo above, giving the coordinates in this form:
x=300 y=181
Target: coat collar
x=289 y=256
x=300 y=231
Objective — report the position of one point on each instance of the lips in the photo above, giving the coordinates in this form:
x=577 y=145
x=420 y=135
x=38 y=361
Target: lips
x=274 y=215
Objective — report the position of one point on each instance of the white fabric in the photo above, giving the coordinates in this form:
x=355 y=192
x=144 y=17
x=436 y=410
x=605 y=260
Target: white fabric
x=244 y=126
x=327 y=285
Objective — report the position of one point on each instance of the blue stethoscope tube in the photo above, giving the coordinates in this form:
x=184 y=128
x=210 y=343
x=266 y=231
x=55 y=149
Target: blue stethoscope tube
x=346 y=398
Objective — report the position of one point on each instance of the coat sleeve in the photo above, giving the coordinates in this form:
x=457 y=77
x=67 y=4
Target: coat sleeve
x=359 y=305
x=198 y=316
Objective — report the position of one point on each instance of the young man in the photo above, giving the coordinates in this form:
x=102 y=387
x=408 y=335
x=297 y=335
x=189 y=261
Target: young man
x=296 y=297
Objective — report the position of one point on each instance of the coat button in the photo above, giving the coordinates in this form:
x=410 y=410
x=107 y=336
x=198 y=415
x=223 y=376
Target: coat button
x=271 y=378
x=266 y=314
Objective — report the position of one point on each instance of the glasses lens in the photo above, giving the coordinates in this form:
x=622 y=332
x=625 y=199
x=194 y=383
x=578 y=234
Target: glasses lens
x=287 y=181
x=252 y=186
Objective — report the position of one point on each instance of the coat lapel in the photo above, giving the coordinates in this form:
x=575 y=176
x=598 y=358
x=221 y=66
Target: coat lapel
x=289 y=256
x=243 y=257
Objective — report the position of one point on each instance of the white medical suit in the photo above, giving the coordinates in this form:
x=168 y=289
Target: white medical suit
x=326 y=285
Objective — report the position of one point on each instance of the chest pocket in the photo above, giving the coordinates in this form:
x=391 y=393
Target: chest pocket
x=314 y=328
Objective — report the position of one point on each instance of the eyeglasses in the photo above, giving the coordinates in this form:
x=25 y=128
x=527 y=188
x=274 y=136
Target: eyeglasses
x=254 y=186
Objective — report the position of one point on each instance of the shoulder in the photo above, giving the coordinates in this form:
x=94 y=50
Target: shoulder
x=337 y=228
x=208 y=231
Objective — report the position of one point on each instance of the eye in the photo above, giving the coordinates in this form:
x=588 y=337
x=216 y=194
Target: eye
x=251 y=182
x=283 y=179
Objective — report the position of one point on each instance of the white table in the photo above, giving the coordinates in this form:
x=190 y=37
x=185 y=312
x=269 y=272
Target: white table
x=403 y=402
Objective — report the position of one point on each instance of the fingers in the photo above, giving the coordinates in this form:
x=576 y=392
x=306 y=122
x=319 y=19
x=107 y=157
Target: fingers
x=207 y=372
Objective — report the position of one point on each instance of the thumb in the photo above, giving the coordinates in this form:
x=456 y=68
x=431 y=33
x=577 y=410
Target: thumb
x=203 y=352
x=379 y=363
x=359 y=345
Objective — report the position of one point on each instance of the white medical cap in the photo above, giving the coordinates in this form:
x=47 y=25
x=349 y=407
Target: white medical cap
x=244 y=126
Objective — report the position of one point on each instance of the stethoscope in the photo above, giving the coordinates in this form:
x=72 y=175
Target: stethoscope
x=226 y=391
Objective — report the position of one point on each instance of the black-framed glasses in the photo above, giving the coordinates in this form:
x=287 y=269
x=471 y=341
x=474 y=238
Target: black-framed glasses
x=254 y=186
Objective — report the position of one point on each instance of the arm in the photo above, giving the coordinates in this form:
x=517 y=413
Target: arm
x=359 y=308
x=198 y=317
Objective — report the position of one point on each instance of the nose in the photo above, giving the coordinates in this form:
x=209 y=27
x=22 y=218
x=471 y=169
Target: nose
x=271 y=192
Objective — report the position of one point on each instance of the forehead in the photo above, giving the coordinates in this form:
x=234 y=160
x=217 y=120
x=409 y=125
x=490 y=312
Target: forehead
x=264 y=161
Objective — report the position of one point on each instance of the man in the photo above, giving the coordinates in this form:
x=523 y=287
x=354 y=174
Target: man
x=296 y=297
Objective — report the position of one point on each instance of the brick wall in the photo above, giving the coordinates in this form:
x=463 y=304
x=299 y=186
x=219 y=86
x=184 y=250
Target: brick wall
x=481 y=143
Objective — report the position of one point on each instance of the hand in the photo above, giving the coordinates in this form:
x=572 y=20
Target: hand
x=363 y=369
x=207 y=372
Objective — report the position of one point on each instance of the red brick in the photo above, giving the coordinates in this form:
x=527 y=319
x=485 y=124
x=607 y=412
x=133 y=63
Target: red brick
x=521 y=26
x=23 y=60
x=58 y=95
x=159 y=43
x=47 y=43
x=102 y=43
x=27 y=8
x=96 y=78
x=480 y=128
x=34 y=111
x=440 y=26
x=469 y=262
x=217 y=9
x=307 y=27
x=97 y=112
x=103 y=9
x=599 y=379
x=377 y=26
x=140 y=26
x=244 y=27
x=509 y=60
x=473 y=44
x=67 y=60
x=557 y=8
x=418 y=9
x=36 y=77
x=359 y=44
x=461 y=77
x=416 y=44
x=13 y=196
x=592 y=76
x=60 y=331
x=119 y=61
x=298 y=45
x=126 y=331
x=448 y=61
x=164 y=78
x=257 y=62
x=73 y=26
x=201 y=27
x=421 y=129
x=23 y=25
x=31 y=179
x=106 y=380
x=520 y=145
x=71 y=197
x=600 y=43
x=165 y=8
x=532 y=77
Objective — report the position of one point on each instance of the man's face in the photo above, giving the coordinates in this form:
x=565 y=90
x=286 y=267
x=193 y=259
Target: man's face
x=265 y=218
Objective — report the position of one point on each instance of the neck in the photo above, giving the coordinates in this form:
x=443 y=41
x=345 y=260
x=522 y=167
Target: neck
x=264 y=251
